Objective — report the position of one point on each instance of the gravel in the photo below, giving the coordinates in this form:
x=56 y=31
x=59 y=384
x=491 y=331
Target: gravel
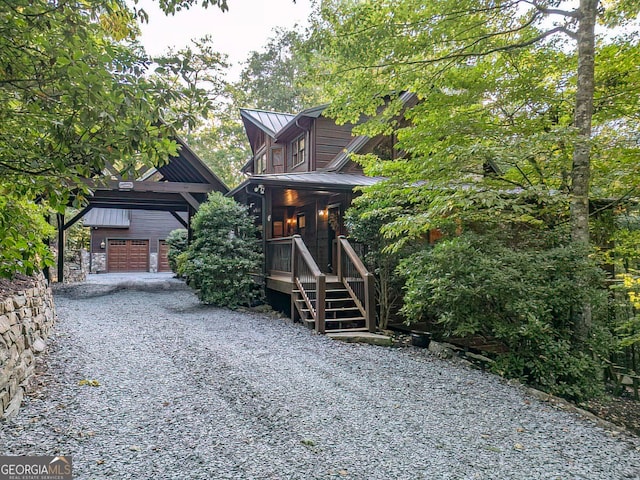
x=186 y=391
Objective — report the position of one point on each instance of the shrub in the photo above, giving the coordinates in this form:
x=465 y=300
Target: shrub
x=224 y=254
x=23 y=229
x=177 y=242
x=524 y=293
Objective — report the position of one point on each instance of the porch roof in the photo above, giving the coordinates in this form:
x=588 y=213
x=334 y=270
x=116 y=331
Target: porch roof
x=310 y=180
x=107 y=217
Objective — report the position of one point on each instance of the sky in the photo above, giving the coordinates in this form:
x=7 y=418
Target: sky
x=244 y=28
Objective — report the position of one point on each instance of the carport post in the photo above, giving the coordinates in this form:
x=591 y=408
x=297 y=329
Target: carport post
x=60 y=218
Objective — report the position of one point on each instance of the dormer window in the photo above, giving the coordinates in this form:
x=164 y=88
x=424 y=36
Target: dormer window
x=298 y=147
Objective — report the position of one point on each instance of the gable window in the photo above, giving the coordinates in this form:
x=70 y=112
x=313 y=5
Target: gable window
x=261 y=163
x=298 y=147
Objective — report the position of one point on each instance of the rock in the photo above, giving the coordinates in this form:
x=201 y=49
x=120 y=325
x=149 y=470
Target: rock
x=8 y=305
x=39 y=346
x=442 y=350
x=19 y=301
x=14 y=405
x=5 y=324
x=362 y=337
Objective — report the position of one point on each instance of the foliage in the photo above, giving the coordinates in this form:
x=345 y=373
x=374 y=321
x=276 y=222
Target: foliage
x=223 y=254
x=222 y=143
x=177 y=242
x=75 y=96
x=23 y=227
x=519 y=287
x=271 y=78
x=194 y=73
x=364 y=221
x=494 y=129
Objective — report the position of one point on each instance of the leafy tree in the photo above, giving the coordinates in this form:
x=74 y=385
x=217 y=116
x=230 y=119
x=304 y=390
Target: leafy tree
x=195 y=74
x=224 y=254
x=271 y=78
x=505 y=107
x=74 y=98
x=222 y=144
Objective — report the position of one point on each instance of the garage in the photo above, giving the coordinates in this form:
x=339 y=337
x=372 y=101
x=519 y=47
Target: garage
x=128 y=256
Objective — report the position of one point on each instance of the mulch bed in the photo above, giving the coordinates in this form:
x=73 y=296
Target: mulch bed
x=10 y=286
x=621 y=411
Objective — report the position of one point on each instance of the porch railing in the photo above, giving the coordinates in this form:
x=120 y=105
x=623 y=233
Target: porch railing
x=309 y=281
x=279 y=255
x=357 y=280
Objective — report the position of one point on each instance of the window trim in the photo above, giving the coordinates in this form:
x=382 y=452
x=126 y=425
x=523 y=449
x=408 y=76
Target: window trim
x=294 y=146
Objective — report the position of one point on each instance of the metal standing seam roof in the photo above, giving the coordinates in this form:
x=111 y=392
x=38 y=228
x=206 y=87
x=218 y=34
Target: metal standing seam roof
x=107 y=217
x=318 y=180
x=271 y=122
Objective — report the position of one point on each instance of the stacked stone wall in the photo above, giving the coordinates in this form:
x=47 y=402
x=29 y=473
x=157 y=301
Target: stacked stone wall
x=26 y=318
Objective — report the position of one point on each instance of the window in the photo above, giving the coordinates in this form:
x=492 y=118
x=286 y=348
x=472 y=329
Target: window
x=297 y=150
x=261 y=163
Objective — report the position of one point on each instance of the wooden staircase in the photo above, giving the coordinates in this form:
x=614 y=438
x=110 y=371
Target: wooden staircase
x=342 y=314
x=345 y=303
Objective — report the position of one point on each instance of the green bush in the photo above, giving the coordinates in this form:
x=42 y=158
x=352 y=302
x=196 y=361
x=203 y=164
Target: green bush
x=524 y=293
x=177 y=242
x=23 y=229
x=224 y=254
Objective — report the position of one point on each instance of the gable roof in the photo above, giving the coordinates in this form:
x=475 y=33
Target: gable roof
x=270 y=122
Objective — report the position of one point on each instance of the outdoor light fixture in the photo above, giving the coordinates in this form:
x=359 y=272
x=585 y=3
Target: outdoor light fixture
x=103 y=245
x=322 y=213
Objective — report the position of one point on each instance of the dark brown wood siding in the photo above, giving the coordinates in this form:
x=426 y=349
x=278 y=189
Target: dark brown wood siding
x=329 y=140
x=145 y=225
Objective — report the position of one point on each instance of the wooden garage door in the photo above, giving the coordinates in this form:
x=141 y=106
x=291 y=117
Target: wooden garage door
x=128 y=256
x=163 y=260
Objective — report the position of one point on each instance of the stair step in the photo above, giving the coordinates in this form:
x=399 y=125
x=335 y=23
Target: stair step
x=335 y=310
x=345 y=299
x=346 y=330
x=350 y=319
x=328 y=290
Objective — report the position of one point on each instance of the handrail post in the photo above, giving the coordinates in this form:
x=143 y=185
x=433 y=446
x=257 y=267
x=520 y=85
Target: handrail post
x=321 y=286
x=294 y=271
x=339 y=255
x=370 y=302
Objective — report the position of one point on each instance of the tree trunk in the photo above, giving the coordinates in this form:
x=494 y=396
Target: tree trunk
x=581 y=169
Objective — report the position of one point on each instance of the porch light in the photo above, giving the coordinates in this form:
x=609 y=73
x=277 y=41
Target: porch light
x=322 y=213
x=103 y=245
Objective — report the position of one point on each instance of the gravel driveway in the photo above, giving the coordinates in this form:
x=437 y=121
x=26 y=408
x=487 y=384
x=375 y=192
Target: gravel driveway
x=191 y=392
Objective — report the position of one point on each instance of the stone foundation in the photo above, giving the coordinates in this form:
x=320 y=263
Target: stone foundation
x=98 y=262
x=153 y=262
x=26 y=317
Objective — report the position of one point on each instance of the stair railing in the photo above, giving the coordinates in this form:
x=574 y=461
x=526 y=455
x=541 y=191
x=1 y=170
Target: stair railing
x=359 y=282
x=309 y=281
x=279 y=255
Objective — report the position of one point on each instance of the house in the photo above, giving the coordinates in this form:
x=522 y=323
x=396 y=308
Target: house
x=300 y=182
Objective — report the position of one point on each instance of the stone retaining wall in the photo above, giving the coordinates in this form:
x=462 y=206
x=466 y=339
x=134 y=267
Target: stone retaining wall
x=26 y=318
